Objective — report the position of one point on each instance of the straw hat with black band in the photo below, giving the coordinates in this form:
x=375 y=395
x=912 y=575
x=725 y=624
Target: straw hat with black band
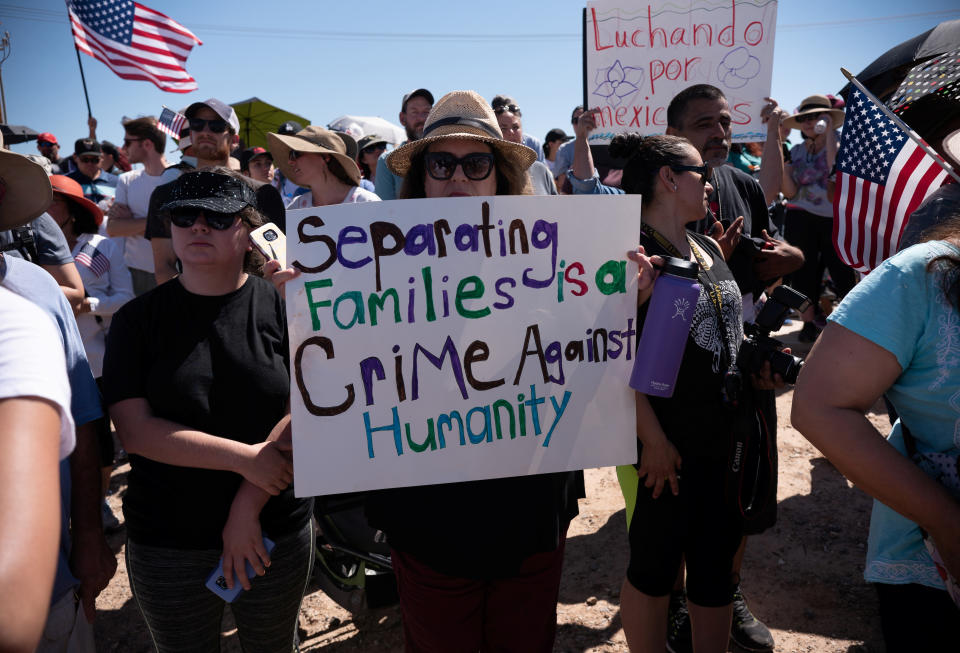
x=316 y=140
x=466 y=115
x=25 y=190
x=816 y=104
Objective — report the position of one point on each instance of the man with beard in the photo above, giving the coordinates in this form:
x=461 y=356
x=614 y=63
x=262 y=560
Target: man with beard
x=414 y=110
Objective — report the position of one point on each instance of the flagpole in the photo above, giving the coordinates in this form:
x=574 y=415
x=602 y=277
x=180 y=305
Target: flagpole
x=83 y=80
x=902 y=125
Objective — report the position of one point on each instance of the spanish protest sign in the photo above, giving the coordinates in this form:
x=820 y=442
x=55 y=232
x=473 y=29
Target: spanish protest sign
x=638 y=55
x=457 y=339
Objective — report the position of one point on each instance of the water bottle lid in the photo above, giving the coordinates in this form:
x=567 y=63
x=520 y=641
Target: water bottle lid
x=679 y=267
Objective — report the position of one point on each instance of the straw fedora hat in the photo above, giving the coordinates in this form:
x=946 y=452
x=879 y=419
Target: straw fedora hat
x=25 y=190
x=460 y=114
x=73 y=192
x=312 y=139
x=815 y=104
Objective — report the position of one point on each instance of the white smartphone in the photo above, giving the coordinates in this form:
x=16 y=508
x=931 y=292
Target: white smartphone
x=271 y=242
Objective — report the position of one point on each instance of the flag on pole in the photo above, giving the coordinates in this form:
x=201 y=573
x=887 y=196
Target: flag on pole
x=882 y=177
x=134 y=41
x=171 y=122
x=91 y=257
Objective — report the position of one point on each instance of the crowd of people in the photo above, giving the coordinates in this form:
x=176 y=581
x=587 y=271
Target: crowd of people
x=135 y=285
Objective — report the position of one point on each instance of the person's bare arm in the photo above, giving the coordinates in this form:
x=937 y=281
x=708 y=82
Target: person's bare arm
x=789 y=186
x=92 y=124
x=122 y=223
x=771 y=165
x=843 y=377
x=69 y=281
x=29 y=518
x=777 y=258
x=582 y=156
x=164 y=259
x=91 y=559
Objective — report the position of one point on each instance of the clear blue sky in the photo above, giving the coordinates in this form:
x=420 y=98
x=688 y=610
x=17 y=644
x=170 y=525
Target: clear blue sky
x=322 y=59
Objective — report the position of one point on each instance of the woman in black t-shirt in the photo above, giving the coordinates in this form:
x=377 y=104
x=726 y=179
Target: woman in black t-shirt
x=682 y=440
x=196 y=376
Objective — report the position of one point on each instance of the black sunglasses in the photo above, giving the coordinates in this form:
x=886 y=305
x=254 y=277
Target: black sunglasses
x=90 y=159
x=476 y=166
x=705 y=171
x=185 y=216
x=503 y=108
x=808 y=117
x=376 y=147
x=217 y=125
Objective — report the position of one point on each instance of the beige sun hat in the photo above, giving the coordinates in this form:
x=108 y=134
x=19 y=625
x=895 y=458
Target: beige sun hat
x=460 y=114
x=316 y=140
x=26 y=190
x=815 y=104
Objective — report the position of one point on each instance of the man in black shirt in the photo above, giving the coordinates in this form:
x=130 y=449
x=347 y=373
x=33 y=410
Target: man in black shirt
x=740 y=221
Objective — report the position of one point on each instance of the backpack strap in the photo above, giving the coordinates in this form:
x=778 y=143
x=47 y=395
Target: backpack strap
x=24 y=242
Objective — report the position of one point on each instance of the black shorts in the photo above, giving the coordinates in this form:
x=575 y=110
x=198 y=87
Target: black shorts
x=695 y=526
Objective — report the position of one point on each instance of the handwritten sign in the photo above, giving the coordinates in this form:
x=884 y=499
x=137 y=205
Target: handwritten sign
x=443 y=340
x=641 y=54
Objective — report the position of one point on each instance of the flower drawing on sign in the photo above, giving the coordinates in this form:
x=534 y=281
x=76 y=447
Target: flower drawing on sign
x=680 y=307
x=738 y=68
x=618 y=82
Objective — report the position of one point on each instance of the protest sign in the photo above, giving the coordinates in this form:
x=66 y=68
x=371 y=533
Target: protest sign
x=443 y=340
x=638 y=55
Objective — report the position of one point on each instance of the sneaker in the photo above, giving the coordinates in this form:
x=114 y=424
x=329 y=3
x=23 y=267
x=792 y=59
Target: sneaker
x=808 y=333
x=110 y=522
x=747 y=631
x=679 y=636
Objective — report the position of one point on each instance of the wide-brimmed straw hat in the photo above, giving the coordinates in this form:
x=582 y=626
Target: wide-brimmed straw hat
x=466 y=115
x=816 y=104
x=25 y=188
x=73 y=192
x=312 y=139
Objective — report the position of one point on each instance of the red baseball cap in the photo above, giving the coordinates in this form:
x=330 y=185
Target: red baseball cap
x=47 y=137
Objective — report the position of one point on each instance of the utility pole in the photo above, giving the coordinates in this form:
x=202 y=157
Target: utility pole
x=4 y=53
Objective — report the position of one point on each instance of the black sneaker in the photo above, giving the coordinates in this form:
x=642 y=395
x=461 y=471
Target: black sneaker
x=809 y=332
x=679 y=636
x=747 y=631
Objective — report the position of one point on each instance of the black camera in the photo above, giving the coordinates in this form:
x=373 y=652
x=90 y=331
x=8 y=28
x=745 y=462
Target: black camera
x=759 y=347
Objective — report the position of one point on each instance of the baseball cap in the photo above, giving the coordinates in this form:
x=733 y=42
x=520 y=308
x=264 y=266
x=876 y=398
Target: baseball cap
x=420 y=92
x=84 y=146
x=289 y=128
x=250 y=154
x=222 y=109
x=47 y=137
x=556 y=135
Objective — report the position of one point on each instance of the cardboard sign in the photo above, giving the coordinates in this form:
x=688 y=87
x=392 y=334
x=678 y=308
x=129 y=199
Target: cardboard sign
x=443 y=340
x=640 y=54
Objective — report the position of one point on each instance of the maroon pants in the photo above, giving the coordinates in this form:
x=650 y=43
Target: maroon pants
x=447 y=614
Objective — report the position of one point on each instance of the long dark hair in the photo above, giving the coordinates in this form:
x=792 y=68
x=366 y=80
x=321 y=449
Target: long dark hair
x=511 y=178
x=947 y=264
x=645 y=156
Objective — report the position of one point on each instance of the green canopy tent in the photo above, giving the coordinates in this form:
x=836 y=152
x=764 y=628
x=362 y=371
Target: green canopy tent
x=257 y=118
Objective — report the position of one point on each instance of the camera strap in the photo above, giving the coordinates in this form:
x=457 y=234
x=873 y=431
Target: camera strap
x=716 y=298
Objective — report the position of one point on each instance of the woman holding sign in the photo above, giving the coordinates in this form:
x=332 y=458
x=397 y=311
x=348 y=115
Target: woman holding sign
x=477 y=563
x=676 y=491
x=196 y=376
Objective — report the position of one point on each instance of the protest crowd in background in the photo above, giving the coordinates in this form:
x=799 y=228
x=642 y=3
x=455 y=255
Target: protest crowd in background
x=171 y=338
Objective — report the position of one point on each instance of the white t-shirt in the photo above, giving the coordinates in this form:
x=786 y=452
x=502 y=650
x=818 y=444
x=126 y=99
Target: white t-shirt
x=134 y=189
x=356 y=194
x=32 y=363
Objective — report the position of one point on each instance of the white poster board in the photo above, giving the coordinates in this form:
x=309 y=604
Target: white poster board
x=640 y=54
x=443 y=340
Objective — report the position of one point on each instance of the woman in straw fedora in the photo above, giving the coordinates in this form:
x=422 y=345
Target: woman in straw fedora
x=477 y=563
x=317 y=158
x=809 y=220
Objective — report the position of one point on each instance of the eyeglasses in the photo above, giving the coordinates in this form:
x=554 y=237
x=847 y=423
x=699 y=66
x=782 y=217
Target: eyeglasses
x=295 y=154
x=217 y=125
x=476 y=166
x=705 y=171
x=45 y=144
x=185 y=216
x=503 y=108
x=127 y=141
x=376 y=147
x=807 y=118
x=89 y=159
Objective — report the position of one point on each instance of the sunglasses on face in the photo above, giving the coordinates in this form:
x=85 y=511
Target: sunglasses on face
x=45 y=144
x=90 y=159
x=127 y=141
x=442 y=165
x=705 y=171
x=217 y=125
x=378 y=147
x=186 y=216
x=294 y=155
x=504 y=108
x=810 y=117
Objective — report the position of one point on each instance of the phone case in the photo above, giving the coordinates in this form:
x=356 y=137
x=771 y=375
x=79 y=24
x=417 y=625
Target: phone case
x=271 y=242
x=217 y=583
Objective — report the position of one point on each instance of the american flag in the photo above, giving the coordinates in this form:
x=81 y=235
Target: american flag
x=882 y=177
x=91 y=257
x=134 y=41
x=171 y=122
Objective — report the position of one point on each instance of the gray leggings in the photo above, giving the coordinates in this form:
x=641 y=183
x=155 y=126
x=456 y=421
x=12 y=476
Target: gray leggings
x=183 y=616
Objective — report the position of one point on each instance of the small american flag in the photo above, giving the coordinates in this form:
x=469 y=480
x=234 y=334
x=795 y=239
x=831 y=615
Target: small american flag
x=171 y=122
x=91 y=257
x=134 y=41
x=882 y=177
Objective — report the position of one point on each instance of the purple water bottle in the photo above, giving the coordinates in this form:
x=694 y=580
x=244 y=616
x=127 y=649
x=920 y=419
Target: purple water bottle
x=665 y=330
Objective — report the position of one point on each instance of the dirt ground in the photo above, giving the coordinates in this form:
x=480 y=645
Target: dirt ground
x=802 y=578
